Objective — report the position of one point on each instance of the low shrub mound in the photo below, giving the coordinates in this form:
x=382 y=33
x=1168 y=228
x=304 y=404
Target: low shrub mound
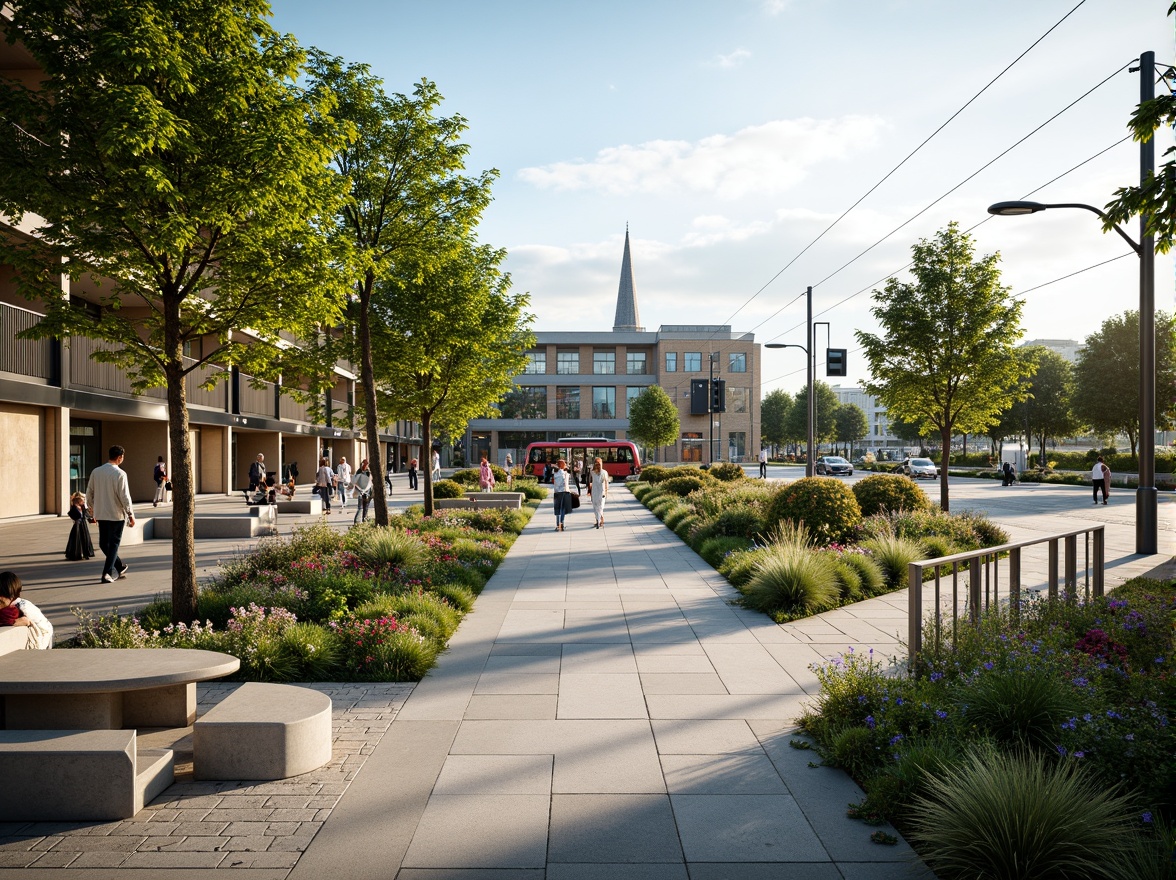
x=736 y=521
x=448 y=489
x=727 y=471
x=886 y=493
x=472 y=477
x=892 y=555
x=826 y=506
x=653 y=473
x=683 y=485
x=788 y=582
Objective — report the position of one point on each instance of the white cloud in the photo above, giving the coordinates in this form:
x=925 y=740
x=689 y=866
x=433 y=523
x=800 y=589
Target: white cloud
x=712 y=229
x=734 y=59
x=759 y=159
x=775 y=7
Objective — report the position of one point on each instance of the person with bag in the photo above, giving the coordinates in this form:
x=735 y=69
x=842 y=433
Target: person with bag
x=598 y=480
x=413 y=464
x=362 y=486
x=485 y=476
x=560 y=484
x=343 y=481
x=324 y=482
x=162 y=484
x=1100 y=478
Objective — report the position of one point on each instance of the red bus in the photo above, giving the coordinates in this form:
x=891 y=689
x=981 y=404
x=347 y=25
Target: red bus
x=618 y=457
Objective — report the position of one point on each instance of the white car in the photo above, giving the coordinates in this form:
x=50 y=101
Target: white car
x=919 y=467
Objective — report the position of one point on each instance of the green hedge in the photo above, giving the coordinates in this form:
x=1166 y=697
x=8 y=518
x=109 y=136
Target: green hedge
x=886 y=492
x=828 y=507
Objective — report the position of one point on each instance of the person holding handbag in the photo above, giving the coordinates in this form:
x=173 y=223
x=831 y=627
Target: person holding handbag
x=161 y=482
x=561 y=487
x=324 y=482
x=598 y=480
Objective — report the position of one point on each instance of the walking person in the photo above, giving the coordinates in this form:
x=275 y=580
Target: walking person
x=412 y=473
x=108 y=496
x=560 y=480
x=509 y=471
x=1100 y=478
x=343 y=481
x=257 y=472
x=363 y=491
x=1009 y=475
x=324 y=482
x=161 y=487
x=598 y=480
x=79 y=546
x=763 y=462
x=577 y=468
x=485 y=476
x=436 y=468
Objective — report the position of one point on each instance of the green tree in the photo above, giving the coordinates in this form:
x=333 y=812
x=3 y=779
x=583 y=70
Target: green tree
x=1049 y=408
x=1011 y=421
x=447 y=338
x=1107 y=376
x=774 y=412
x=825 y=429
x=168 y=158
x=410 y=208
x=653 y=418
x=852 y=424
x=944 y=356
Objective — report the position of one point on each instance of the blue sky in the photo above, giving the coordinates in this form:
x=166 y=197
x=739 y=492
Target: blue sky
x=730 y=135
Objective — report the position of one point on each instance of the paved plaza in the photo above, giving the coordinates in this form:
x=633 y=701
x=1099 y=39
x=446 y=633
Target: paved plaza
x=605 y=712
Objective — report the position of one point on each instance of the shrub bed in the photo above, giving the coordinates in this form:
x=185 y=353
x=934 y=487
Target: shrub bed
x=371 y=604
x=882 y=493
x=1033 y=745
x=826 y=506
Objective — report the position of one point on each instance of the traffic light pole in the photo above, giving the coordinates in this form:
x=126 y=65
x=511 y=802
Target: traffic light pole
x=710 y=392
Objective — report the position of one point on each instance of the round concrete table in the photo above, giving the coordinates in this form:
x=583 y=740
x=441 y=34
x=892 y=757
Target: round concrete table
x=106 y=688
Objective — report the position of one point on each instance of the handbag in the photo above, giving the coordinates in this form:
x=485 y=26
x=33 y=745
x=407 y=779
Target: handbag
x=575 y=499
x=167 y=486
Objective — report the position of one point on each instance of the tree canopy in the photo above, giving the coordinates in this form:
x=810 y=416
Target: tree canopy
x=944 y=357
x=825 y=429
x=653 y=418
x=1049 y=408
x=1108 y=375
x=774 y=416
x=177 y=174
x=851 y=423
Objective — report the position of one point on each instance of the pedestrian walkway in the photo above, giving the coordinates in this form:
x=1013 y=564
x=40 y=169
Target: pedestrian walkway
x=606 y=712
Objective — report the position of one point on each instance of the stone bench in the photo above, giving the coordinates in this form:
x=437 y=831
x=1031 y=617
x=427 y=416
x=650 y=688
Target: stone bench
x=220 y=526
x=261 y=732
x=13 y=638
x=481 y=501
x=79 y=775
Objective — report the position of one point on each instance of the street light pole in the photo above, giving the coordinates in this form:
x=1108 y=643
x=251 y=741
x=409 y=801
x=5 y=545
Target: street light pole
x=809 y=349
x=1146 y=496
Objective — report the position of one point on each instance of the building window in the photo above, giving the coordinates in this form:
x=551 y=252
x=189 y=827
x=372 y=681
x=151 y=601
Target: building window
x=604 y=403
x=525 y=402
x=536 y=363
x=671 y=361
x=567 y=363
x=736 y=362
x=737 y=399
x=736 y=445
x=631 y=392
x=691 y=446
x=635 y=363
x=693 y=362
x=567 y=402
x=604 y=363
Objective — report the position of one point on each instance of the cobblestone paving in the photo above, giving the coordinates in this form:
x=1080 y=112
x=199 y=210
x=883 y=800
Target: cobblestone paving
x=220 y=824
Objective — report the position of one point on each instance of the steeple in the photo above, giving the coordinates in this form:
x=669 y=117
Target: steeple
x=627 y=317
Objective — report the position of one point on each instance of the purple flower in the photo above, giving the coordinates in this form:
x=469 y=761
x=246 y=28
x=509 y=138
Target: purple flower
x=940 y=714
x=870 y=722
x=1146 y=817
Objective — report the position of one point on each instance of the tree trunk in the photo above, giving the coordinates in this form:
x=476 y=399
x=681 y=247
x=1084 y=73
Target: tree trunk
x=371 y=418
x=183 y=561
x=427 y=456
x=945 y=450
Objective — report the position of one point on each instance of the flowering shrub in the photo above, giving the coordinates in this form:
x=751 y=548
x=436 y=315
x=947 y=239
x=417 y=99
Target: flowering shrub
x=383 y=650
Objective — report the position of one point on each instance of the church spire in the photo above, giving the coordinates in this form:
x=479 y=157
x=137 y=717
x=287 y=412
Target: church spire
x=627 y=317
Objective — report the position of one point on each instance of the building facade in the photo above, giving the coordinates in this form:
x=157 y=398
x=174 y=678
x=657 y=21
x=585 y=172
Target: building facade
x=581 y=384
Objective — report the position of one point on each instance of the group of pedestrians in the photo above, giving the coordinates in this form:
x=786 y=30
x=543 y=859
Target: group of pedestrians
x=566 y=491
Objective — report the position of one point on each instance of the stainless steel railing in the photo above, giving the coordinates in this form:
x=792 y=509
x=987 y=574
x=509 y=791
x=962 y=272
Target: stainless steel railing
x=983 y=586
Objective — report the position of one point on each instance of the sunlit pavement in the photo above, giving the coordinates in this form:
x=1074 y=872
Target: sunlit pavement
x=607 y=712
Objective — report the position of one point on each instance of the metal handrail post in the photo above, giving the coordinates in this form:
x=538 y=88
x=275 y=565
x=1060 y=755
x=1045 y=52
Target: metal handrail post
x=914 y=610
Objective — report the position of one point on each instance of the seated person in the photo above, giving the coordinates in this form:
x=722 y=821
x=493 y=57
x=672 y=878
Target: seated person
x=286 y=490
x=9 y=615
x=40 y=630
x=258 y=494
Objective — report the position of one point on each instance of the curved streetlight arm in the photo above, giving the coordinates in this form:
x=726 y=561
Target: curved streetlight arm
x=1012 y=209
x=783 y=345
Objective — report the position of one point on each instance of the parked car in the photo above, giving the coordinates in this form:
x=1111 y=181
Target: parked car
x=919 y=467
x=833 y=465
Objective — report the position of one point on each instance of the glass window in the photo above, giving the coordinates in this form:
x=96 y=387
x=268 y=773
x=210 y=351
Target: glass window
x=635 y=363
x=604 y=403
x=671 y=361
x=567 y=363
x=691 y=446
x=693 y=362
x=536 y=362
x=738 y=399
x=525 y=402
x=631 y=392
x=567 y=402
x=736 y=445
x=736 y=362
x=604 y=363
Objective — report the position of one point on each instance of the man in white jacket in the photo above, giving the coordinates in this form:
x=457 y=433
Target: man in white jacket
x=109 y=498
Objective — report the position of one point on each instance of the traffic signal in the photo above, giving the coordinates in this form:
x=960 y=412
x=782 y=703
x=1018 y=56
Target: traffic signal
x=835 y=361
x=698 y=397
x=719 y=395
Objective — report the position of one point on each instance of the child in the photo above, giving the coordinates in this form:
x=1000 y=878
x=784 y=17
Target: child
x=40 y=629
x=79 y=545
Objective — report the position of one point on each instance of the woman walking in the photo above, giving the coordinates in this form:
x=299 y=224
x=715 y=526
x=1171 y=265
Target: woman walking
x=598 y=479
x=362 y=483
x=324 y=482
x=563 y=497
x=485 y=476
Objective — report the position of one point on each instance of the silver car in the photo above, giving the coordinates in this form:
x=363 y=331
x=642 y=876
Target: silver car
x=919 y=467
x=831 y=465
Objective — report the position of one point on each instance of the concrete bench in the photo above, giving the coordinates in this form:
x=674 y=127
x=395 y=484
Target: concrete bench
x=482 y=501
x=79 y=775
x=13 y=638
x=263 y=731
x=309 y=504
x=245 y=526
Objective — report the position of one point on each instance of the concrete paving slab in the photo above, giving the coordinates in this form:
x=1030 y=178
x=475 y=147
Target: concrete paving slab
x=511 y=706
x=616 y=828
x=600 y=696
x=614 y=871
x=747 y=772
x=745 y=828
x=495 y=774
x=481 y=831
